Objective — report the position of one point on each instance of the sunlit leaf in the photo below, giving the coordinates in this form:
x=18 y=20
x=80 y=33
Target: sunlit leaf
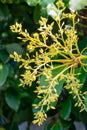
x=77 y=4
x=32 y=2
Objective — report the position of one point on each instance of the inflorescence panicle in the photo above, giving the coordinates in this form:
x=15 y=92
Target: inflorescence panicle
x=62 y=54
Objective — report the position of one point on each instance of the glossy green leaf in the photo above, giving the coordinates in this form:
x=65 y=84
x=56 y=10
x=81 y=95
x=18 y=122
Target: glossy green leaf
x=82 y=75
x=12 y=99
x=43 y=81
x=83 y=43
x=56 y=127
x=66 y=124
x=4 y=70
x=66 y=109
x=58 y=70
x=60 y=86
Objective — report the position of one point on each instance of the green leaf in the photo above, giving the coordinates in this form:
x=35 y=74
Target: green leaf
x=4 y=56
x=60 y=86
x=4 y=69
x=66 y=124
x=43 y=12
x=56 y=127
x=58 y=70
x=53 y=11
x=4 y=12
x=37 y=11
x=82 y=75
x=7 y=1
x=77 y=4
x=44 y=3
x=14 y=47
x=32 y=2
x=12 y=99
x=48 y=126
x=85 y=101
x=23 y=115
x=12 y=126
x=83 y=43
x=36 y=101
x=66 y=2
x=43 y=82
x=60 y=125
x=66 y=109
